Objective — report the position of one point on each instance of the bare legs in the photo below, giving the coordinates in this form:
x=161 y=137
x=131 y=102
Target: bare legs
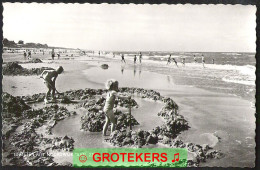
x=110 y=117
x=50 y=91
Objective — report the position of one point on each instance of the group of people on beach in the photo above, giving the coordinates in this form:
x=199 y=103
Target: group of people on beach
x=202 y=60
x=53 y=54
x=169 y=59
x=27 y=56
x=183 y=60
x=135 y=58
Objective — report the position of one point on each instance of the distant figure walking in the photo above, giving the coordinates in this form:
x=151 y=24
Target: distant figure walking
x=29 y=55
x=123 y=58
x=195 y=59
x=58 y=55
x=112 y=87
x=175 y=61
x=183 y=61
x=135 y=58
x=99 y=53
x=52 y=54
x=24 y=55
x=203 y=61
x=140 y=58
x=169 y=59
x=213 y=61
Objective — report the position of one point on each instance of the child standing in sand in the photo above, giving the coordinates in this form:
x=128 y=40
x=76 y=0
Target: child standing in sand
x=112 y=87
x=50 y=77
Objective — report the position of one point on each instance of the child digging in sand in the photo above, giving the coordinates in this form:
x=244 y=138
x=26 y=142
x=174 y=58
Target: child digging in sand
x=50 y=77
x=112 y=87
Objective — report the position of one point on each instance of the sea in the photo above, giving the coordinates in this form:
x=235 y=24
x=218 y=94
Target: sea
x=231 y=72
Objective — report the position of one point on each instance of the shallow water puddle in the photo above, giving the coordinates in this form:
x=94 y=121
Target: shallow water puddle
x=129 y=77
x=145 y=114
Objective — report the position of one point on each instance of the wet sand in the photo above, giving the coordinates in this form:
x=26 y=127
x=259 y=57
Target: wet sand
x=222 y=120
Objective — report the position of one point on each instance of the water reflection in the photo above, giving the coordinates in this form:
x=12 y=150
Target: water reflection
x=122 y=69
x=168 y=79
x=134 y=70
x=140 y=70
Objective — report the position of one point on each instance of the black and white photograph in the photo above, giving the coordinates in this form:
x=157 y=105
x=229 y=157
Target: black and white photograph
x=128 y=76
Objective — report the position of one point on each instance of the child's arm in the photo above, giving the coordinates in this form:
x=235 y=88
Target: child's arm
x=41 y=76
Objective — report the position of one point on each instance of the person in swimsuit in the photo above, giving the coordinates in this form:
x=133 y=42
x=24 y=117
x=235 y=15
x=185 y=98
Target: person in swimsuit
x=50 y=77
x=135 y=59
x=183 y=61
x=169 y=60
x=123 y=58
x=203 y=60
x=175 y=61
x=112 y=87
x=29 y=55
x=24 y=55
x=140 y=58
x=52 y=54
x=195 y=59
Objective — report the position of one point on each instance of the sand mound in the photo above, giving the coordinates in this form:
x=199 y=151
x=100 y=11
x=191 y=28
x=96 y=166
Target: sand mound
x=132 y=138
x=104 y=66
x=94 y=120
x=36 y=60
x=13 y=106
x=26 y=140
x=14 y=69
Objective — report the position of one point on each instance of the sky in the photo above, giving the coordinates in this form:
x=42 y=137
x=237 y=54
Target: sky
x=116 y=27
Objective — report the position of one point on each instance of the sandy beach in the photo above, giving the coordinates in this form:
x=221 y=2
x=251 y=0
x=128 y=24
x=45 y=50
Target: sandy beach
x=221 y=120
